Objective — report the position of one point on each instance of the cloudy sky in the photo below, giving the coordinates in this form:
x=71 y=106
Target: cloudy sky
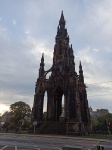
x=28 y=29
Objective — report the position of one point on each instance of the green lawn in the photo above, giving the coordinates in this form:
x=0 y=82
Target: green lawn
x=99 y=136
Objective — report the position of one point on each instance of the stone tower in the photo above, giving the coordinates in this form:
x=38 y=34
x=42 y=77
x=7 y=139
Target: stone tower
x=62 y=81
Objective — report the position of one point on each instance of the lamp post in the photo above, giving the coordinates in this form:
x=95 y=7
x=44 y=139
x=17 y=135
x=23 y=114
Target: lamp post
x=34 y=124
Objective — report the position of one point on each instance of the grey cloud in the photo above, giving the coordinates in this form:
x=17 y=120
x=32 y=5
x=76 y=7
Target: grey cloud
x=89 y=27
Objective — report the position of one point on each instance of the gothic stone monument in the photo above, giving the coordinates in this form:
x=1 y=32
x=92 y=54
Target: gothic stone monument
x=63 y=81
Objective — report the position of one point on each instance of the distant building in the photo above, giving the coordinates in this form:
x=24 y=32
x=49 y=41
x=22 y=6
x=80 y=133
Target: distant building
x=5 y=117
x=98 y=112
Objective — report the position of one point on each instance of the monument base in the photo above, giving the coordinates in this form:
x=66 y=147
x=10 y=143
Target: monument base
x=54 y=128
x=62 y=119
x=61 y=128
x=74 y=128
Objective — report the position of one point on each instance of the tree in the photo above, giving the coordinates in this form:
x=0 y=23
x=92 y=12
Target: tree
x=94 y=121
x=19 y=110
x=103 y=123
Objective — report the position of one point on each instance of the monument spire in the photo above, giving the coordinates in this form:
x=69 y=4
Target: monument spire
x=62 y=21
x=62 y=17
x=42 y=60
x=41 y=69
x=81 y=77
x=61 y=38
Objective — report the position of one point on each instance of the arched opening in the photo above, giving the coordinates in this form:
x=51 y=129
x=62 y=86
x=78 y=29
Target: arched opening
x=59 y=103
x=45 y=107
x=63 y=106
x=48 y=75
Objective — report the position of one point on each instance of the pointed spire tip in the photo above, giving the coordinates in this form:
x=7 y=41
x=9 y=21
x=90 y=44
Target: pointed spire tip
x=80 y=65
x=62 y=17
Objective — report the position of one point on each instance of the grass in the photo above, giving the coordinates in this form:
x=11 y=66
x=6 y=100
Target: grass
x=99 y=136
x=23 y=132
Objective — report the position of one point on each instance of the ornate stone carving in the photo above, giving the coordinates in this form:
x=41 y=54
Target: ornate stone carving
x=63 y=81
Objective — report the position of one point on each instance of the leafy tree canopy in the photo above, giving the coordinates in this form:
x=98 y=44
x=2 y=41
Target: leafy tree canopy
x=101 y=123
x=19 y=110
